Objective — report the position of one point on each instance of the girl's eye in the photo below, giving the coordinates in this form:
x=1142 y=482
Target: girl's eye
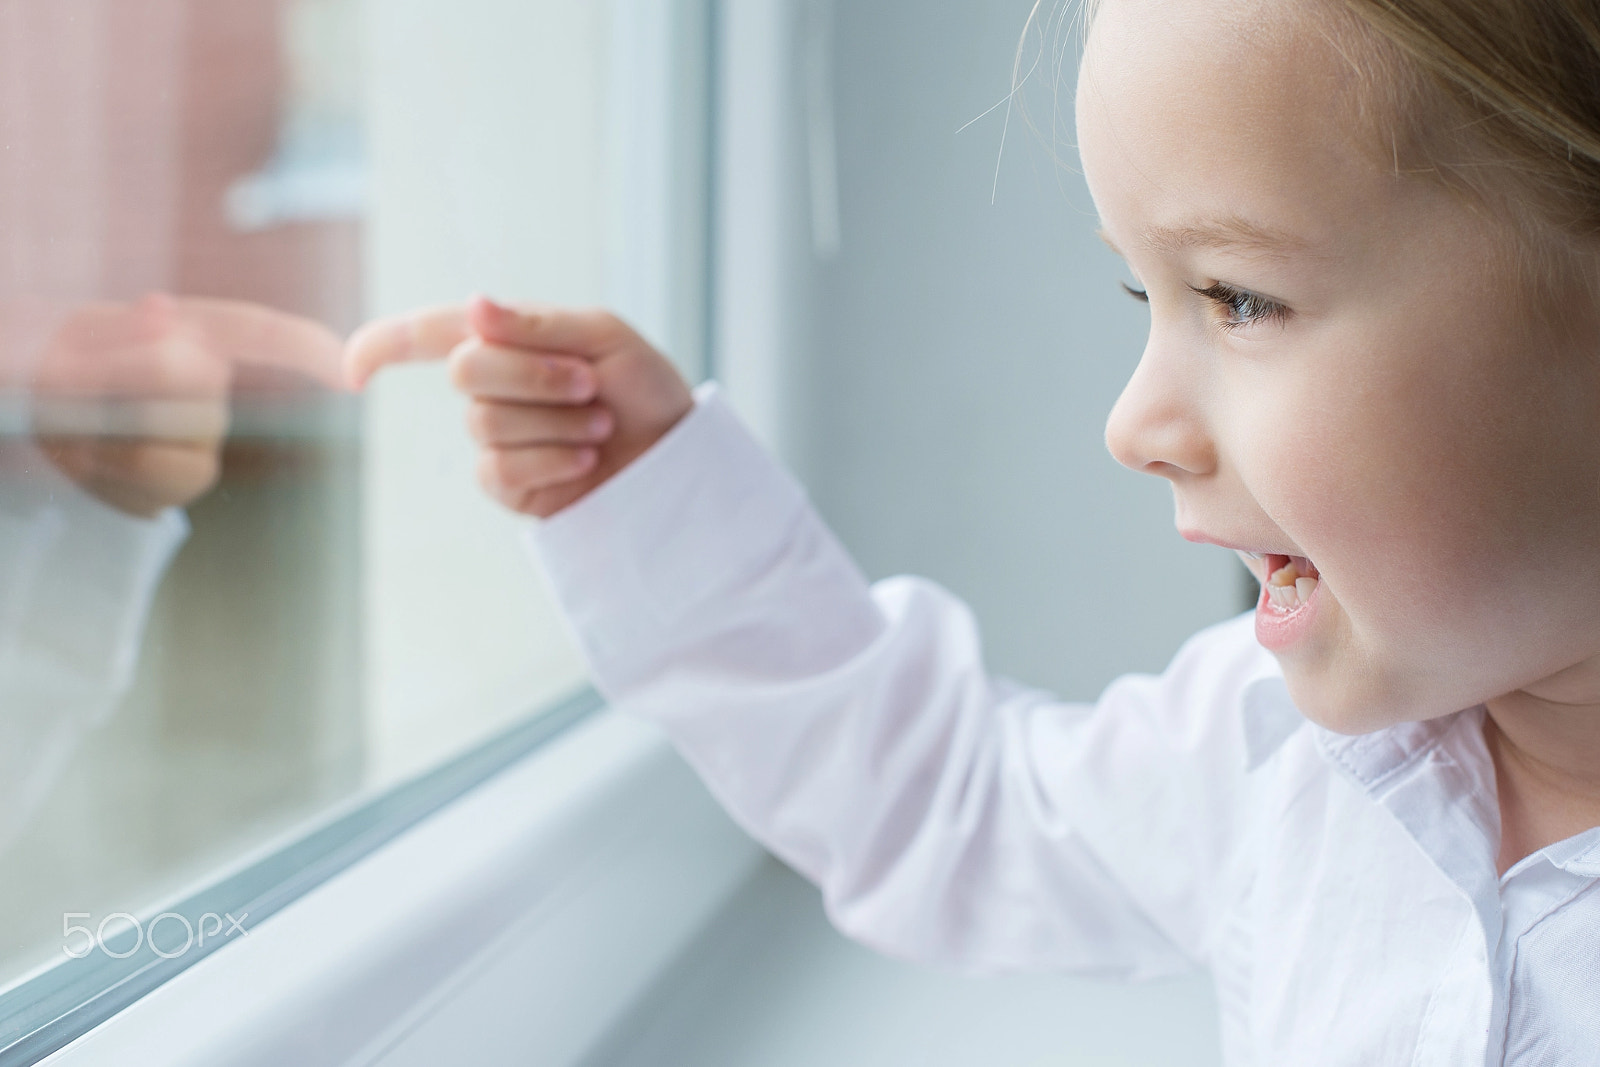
x=1137 y=294
x=1240 y=306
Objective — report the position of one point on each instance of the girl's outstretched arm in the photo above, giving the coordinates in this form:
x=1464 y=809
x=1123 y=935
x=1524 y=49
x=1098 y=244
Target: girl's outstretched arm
x=948 y=816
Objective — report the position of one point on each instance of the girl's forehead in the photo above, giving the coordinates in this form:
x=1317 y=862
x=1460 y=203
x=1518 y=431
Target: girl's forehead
x=1248 y=60
x=1249 y=24
x=1229 y=109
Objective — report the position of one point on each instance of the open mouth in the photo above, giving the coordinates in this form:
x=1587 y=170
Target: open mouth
x=1291 y=580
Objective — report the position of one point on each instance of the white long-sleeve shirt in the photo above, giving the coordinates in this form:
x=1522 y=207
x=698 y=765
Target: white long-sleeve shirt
x=1341 y=890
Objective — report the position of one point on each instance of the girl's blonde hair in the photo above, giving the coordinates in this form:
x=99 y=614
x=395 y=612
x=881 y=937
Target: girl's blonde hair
x=1496 y=98
x=1501 y=97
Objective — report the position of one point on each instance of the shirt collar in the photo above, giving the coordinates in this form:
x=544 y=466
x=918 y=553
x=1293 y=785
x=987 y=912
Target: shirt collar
x=1437 y=779
x=1391 y=764
x=1578 y=855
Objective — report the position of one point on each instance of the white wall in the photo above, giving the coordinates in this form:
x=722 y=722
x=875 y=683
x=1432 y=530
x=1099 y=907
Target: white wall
x=962 y=357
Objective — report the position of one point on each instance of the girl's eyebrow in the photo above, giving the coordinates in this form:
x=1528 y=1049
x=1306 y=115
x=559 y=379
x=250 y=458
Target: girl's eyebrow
x=1228 y=233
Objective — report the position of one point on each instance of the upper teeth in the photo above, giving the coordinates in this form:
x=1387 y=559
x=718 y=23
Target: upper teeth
x=1287 y=588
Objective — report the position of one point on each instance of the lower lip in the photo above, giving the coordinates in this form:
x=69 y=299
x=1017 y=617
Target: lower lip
x=1276 y=631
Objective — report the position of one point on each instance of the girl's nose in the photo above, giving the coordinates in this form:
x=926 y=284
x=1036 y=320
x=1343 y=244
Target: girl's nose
x=1157 y=425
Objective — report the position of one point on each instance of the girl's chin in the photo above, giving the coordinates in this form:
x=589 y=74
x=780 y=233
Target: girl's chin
x=1350 y=701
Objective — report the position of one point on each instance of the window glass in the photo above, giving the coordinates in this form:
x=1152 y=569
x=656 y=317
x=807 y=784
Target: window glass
x=235 y=599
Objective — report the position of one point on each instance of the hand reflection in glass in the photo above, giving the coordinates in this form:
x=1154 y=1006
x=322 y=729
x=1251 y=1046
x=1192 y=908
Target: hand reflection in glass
x=130 y=401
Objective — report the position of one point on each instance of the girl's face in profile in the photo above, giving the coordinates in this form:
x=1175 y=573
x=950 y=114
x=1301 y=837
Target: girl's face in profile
x=1345 y=365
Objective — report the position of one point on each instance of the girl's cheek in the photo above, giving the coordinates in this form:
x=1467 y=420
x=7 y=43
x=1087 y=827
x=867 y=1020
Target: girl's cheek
x=1336 y=478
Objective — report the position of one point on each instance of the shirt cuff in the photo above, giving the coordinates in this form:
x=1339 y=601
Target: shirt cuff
x=705 y=510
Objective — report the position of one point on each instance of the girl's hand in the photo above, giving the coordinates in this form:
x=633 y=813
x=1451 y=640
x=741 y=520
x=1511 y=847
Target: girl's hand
x=562 y=399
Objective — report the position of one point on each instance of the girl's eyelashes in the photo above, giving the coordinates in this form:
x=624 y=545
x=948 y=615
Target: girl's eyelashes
x=1240 y=306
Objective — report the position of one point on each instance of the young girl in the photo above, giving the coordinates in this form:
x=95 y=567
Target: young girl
x=1369 y=234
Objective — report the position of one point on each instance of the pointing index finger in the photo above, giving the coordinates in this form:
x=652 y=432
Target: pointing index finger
x=428 y=334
